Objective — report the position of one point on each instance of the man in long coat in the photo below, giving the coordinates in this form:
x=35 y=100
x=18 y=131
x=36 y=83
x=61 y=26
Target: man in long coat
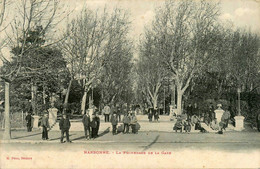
x=64 y=127
x=86 y=124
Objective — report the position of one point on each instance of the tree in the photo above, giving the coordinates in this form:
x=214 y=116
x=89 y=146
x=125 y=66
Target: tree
x=184 y=33
x=150 y=69
x=115 y=81
x=29 y=15
x=92 y=38
x=41 y=67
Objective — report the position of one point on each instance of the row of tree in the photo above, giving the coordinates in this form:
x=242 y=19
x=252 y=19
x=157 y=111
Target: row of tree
x=92 y=54
x=202 y=58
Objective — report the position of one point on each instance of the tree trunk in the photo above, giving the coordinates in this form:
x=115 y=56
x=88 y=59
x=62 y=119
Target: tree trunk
x=33 y=101
x=154 y=102
x=179 y=100
x=83 y=101
x=66 y=100
x=43 y=95
x=173 y=102
x=7 y=132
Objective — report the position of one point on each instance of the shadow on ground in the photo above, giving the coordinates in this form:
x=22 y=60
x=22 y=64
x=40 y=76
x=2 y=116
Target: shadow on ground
x=27 y=135
x=100 y=135
x=150 y=145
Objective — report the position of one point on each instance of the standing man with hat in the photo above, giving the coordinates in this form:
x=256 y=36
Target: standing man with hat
x=28 y=119
x=45 y=125
x=114 y=123
x=107 y=113
x=64 y=127
x=86 y=124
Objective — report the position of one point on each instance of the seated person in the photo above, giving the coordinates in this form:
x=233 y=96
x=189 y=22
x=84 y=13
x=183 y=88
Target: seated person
x=187 y=125
x=195 y=121
x=214 y=124
x=179 y=125
x=206 y=119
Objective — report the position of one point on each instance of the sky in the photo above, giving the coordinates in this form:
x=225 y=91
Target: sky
x=244 y=14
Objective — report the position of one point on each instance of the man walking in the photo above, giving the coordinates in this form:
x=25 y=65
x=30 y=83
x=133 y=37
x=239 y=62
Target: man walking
x=45 y=125
x=86 y=124
x=64 y=127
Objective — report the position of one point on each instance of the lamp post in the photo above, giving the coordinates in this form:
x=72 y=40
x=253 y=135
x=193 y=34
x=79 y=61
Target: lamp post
x=238 y=95
x=239 y=119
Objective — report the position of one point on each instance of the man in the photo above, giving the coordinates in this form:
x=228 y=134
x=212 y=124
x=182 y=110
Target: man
x=126 y=121
x=114 y=123
x=150 y=114
x=45 y=125
x=195 y=110
x=86 y=124
x=118 y=113
x=64 y=127
x=93 y=126
x=189 y=111
x=28 y=119
x=97 y=119
x=211 y=113
x=225 y=119
x=106 y=113
x=133 y=123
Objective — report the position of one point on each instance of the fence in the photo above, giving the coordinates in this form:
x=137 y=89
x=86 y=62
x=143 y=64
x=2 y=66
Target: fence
x=17 y=120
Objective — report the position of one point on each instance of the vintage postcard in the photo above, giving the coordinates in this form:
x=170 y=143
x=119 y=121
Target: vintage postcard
x=129 y=84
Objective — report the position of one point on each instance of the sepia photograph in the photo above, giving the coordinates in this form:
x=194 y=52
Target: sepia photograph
x=129 y=84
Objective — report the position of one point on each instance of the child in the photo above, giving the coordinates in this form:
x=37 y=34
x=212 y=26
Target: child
x=114 y=123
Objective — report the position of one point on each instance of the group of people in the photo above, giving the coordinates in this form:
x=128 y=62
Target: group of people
x=129 y=119
x=64 y=125
x=91 y=124
x=192 y=119
x=153 y=112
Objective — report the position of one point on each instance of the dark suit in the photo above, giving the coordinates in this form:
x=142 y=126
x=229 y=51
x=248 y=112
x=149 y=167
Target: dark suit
x=28 y=119
x=64 y=127
x=45 y=124
x=86 y=123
